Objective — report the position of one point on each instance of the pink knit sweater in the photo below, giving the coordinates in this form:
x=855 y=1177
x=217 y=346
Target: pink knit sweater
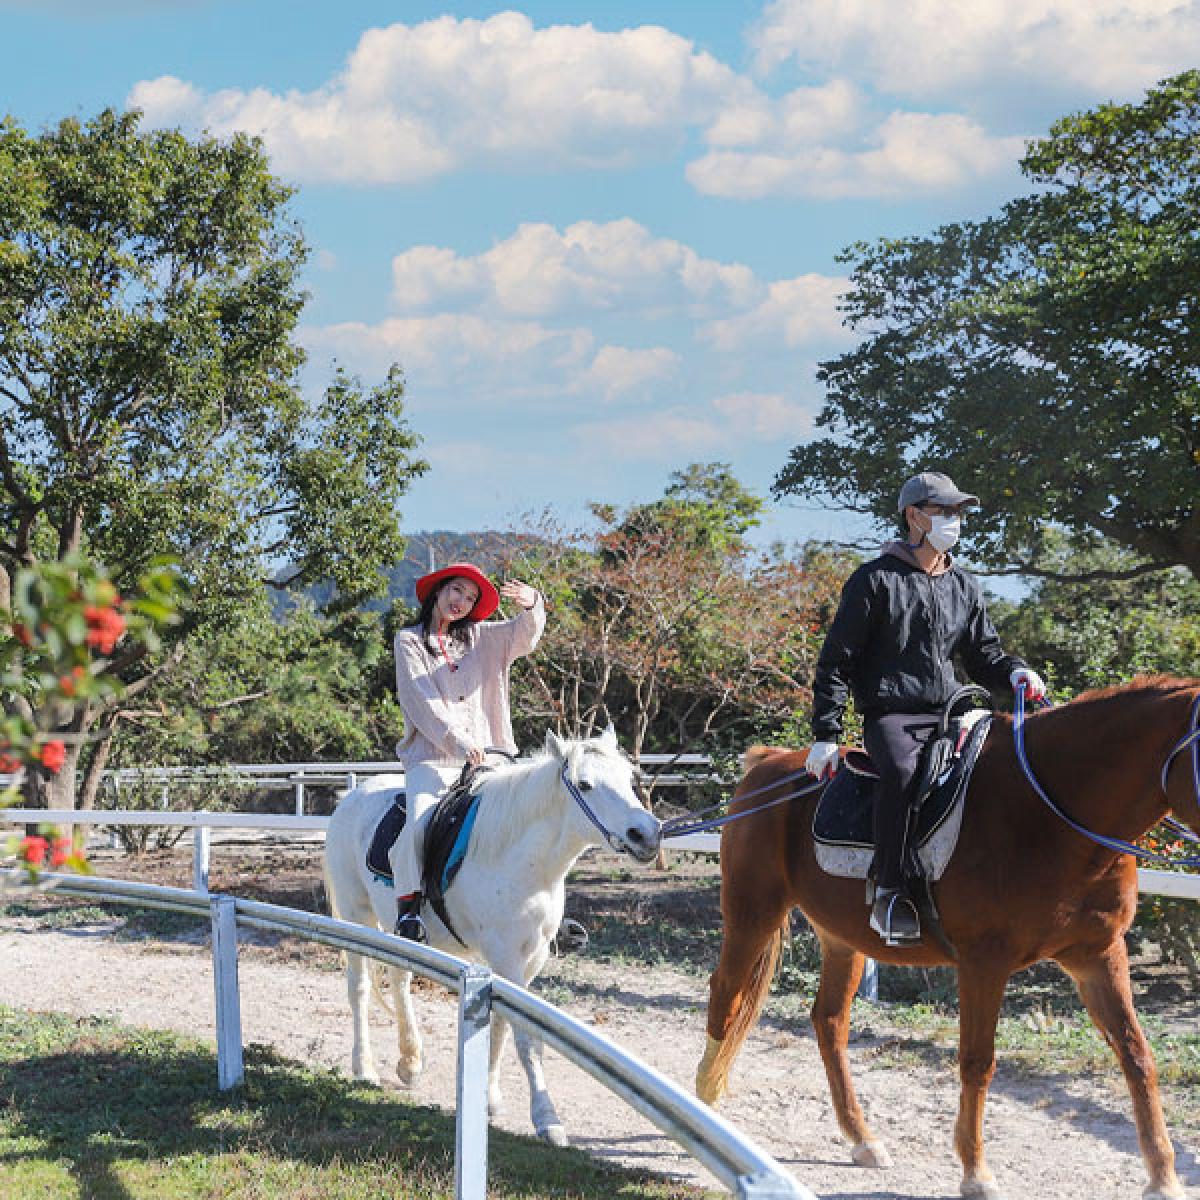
x=450 y=705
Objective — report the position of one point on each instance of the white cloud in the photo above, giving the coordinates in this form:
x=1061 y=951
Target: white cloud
x=453 y=350
x=415 y=101
x=793 y=312
x=418 y=101
x=928 y=47
x=619 y=370
x=476 y=358
x=675 y=432
x=767 y=416
x=618 y=266
x=907 y=153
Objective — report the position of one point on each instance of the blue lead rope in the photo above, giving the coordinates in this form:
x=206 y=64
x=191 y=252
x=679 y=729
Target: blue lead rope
x=698 y=823
x=1192 y=739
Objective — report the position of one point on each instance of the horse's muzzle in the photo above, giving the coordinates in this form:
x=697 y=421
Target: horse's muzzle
x=642 y=841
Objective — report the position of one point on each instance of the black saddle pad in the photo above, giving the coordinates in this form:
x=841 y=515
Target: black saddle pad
x=845 y=810
x=386 y=833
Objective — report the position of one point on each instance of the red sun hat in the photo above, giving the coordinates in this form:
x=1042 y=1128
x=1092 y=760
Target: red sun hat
x=489 y=598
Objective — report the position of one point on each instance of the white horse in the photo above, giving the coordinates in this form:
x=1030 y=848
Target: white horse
x=506 y=903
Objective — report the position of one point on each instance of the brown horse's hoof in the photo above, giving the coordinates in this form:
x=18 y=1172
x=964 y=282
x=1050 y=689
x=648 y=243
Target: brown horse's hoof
x=1171 y=1192
x=407 y=1073
x=871 y=1154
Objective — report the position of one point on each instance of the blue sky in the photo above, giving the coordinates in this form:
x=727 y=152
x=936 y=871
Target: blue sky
x=600 y=239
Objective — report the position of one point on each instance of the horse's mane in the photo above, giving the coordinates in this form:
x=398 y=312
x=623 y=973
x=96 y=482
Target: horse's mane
x=1145 y=686
x=511 y=798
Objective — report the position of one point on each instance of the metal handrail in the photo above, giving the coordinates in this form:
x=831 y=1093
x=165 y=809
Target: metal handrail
x=748 y=1172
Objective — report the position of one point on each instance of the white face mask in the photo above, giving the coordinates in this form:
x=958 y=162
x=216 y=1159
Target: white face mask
x=943 y=532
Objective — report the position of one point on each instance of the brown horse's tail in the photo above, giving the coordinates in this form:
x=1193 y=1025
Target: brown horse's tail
x=712 y=1078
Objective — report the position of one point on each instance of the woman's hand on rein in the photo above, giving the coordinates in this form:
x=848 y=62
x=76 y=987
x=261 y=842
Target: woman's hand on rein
x=476 y=756
x=519 y=593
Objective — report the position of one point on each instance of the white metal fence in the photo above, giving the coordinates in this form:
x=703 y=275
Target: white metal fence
x=673 y=770
x=742 y=1168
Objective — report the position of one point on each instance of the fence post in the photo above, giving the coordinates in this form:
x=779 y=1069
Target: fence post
x=868 y=986
x=474 y=1047
x=201 y=843
x=770 y=1187
x=299 y=797
x=230 y=1070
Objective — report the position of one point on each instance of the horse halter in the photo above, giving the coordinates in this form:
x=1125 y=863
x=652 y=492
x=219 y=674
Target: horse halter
x=1190 y=739
x=614 y=842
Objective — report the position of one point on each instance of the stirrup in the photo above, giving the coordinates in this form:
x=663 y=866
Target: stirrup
x=571 y=936
x=408 y=920
x=894 y=917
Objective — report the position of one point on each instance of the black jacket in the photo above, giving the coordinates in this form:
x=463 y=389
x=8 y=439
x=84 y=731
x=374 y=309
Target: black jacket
x=893 y=641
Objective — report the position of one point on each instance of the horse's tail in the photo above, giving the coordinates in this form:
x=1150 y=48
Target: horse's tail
x=712 y=1078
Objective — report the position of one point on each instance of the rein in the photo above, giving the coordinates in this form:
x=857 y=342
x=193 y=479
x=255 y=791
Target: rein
x=1190 y=739
x=699 y=823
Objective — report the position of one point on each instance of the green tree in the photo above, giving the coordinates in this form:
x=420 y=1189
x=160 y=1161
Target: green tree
x=149 y=401
x=1048 y=357
x=1106 y=630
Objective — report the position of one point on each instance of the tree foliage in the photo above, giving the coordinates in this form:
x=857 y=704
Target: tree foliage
x=1047 y=357
x=668 y=623
x=149 y=403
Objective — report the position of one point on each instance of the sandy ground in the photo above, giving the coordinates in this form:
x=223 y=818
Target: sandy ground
x=1050 y=1138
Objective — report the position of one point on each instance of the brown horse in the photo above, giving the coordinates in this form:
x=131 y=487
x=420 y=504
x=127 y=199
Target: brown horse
x=1022 y=887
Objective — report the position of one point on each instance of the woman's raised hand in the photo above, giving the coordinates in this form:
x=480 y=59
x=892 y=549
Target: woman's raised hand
x=519 y=593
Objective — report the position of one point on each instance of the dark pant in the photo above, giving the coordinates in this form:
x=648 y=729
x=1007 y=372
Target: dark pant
x=894 y=741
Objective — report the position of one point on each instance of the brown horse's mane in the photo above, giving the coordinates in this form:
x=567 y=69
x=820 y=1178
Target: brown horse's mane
x=1142 y=685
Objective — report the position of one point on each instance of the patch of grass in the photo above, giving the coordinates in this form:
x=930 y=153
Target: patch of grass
x=91 y=1108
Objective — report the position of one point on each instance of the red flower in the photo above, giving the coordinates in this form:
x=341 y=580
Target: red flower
x=23 y=634
x=105 y=627
x=69 y=684
x=33 y=850
x=53 y=756
x=60 y=851
x=9 y=765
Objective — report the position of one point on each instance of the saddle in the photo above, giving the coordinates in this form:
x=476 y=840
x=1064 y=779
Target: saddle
x=447 y=836
x=843 y=822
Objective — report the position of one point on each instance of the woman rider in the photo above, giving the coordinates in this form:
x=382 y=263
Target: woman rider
x=452 y=684
x=902 y=618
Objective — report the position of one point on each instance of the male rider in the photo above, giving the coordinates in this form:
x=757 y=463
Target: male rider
x=902 y=619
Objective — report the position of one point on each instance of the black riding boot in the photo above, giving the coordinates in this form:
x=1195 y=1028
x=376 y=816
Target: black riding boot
x=408 y=918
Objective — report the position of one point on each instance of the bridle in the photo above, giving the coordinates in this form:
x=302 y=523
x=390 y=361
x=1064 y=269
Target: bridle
x=613 y=841
x=1190 y=739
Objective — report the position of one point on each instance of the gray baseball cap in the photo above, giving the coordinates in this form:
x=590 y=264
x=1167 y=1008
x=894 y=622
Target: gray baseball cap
x=932 y=487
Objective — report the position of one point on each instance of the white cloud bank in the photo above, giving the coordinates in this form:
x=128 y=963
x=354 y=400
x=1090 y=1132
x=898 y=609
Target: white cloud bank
x=415 y=102
x=925 y=48
x=526 y=316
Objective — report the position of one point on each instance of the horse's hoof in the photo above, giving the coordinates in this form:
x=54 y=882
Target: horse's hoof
x=408 y=1073
x=1171 y=1192
x=370 y=1078
x=708 y=1090
x=556 y=1135
x=981 y=1189
x=871 y=1154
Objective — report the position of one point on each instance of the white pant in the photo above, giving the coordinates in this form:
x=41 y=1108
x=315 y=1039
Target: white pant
x=424 y=785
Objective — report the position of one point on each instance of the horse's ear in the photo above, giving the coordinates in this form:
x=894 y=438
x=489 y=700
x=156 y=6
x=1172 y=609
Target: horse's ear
x=609 y=737
x=555 y=745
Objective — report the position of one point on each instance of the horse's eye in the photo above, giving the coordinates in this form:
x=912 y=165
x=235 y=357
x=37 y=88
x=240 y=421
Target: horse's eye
x=584 y=786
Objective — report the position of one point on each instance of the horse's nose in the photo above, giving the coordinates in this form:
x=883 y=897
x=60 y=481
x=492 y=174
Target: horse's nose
x=644 y=837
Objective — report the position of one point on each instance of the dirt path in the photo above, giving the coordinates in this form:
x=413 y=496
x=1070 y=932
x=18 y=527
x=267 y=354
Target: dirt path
x=1054 y=1138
